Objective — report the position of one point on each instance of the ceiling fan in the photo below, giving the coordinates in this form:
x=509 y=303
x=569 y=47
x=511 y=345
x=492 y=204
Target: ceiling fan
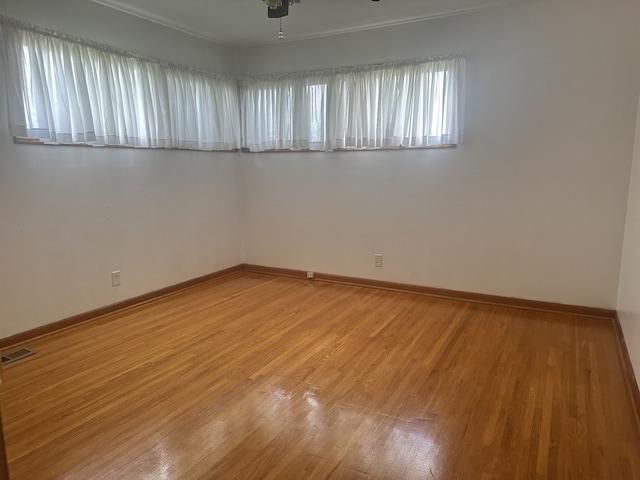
x=279 y=8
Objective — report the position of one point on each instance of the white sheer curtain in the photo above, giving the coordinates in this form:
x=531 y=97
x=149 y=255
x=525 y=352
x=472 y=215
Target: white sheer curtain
x=65 y=90
x=413 y=105
x=75 y=93
x=284 y=112
x=404 y=104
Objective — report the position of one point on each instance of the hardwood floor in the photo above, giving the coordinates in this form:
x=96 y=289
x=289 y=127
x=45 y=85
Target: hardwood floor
x=260 y=377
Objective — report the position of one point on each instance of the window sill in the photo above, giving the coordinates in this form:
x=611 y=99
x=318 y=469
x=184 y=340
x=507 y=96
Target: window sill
x=404 y=149
x=35 y=141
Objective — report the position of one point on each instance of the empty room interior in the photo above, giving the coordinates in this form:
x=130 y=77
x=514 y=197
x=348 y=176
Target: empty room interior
x=320 y=240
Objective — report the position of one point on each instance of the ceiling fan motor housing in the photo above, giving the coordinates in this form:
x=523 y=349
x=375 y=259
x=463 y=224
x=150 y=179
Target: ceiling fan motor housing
x=279 y=8
x=279 y=12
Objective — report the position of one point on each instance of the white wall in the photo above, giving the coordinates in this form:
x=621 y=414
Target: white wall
x=71 y=215
x=531 y=206
x=629 y=294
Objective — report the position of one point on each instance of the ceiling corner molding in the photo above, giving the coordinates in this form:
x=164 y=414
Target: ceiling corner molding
x=253 y=41
x=390 y=23
x=150 y=17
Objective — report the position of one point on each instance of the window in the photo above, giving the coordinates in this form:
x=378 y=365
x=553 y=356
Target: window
x=69 y=92
x=411 y=104
x=283 y=113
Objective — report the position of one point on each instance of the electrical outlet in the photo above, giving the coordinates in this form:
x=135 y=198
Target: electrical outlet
x=377 y=259
x=310 y=275
x=115 y=278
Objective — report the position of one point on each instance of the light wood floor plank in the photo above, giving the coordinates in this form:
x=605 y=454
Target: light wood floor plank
x=261 y=377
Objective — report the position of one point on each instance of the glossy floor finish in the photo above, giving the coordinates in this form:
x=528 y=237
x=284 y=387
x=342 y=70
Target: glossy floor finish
x=261 y=377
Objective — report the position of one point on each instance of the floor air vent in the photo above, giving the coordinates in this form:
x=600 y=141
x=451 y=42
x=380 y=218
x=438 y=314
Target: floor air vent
x=17 y=355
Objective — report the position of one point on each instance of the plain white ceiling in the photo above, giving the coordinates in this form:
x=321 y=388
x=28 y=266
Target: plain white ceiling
x=245 y=22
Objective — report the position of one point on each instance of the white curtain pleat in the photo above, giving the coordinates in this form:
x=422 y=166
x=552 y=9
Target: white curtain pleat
x=65 y=92
x=10 y=55
x=418 y=104
x=284 y=114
